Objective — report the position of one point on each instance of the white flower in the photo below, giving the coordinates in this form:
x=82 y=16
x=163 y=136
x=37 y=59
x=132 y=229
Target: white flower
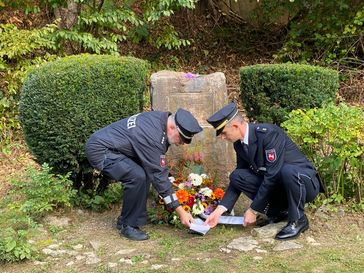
x=206 y=191
x=195 y=179
x=204 y=176
x=181 y=186
x=197 y=209
x=171 y=179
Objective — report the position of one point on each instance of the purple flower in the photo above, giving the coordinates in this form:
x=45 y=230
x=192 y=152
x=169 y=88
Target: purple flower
x=199 y=195
x=209 y=210
x=190 y=75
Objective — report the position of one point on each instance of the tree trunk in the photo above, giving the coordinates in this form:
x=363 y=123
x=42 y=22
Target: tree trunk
x=68 y=15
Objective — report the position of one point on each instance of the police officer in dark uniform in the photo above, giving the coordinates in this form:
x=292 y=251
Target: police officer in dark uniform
x=270 y=170
x=132 y=150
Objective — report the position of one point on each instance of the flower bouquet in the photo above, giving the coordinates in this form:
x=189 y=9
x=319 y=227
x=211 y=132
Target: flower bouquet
x=196 y=193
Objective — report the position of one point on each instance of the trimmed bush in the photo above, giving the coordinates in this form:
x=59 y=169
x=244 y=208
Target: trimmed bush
x=65 y=101
x=270 y=91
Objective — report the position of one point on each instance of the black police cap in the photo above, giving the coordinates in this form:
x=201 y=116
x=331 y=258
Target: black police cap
x=187 y=125
x=222 y=117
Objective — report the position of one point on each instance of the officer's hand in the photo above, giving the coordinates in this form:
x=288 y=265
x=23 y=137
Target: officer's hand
x=213 y=218
x=185 y=217
x=249 y=218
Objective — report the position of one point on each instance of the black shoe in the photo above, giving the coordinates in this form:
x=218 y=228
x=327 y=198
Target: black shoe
x=119 y=223
x=293 y=229
x=133 y=233
x=281 y=216
x=119 y=226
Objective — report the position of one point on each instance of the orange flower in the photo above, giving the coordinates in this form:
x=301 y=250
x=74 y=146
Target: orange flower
x=219 y=193
x=182 y=196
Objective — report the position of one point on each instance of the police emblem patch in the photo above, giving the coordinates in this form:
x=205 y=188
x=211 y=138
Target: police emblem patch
x=271 y=155
x=162 y=160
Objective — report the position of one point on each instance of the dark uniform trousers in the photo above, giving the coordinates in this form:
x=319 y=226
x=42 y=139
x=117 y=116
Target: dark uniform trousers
x=132 y=151
x=135 y=186
x=295 y=186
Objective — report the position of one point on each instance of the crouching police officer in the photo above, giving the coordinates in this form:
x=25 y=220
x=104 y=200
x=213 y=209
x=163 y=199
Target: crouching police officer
x=132 y=150
x=270 y=170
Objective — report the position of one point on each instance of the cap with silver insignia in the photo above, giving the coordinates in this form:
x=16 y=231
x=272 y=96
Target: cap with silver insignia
x=222 y=117
x=187 y=125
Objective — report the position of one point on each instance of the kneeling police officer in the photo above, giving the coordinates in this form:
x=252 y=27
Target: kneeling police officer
x=270 y=170
x=132 y=150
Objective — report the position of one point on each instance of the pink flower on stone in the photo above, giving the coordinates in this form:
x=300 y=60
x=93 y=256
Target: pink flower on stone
x=190 y=75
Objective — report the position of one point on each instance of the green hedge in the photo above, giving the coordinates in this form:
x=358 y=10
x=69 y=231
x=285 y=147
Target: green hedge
x=65 y=101
x=270 y=91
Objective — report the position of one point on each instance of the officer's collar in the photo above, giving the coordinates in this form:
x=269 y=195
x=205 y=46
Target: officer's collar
x=246 y=135
x=164 y=122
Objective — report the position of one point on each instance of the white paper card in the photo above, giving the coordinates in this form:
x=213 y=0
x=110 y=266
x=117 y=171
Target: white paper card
x=227 y=220
x=231 y=220
x=199 y=227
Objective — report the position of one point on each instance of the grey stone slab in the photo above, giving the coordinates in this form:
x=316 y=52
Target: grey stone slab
x=268 y=231
x=287 y=245
x=243 y=244
x=202 y=95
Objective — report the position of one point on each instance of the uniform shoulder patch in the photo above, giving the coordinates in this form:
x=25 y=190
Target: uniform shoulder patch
x=271 y=155
x=261 y=129
x=162 y=161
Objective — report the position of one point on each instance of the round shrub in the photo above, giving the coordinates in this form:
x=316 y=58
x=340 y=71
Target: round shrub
x=270 y=91
x=65 y=101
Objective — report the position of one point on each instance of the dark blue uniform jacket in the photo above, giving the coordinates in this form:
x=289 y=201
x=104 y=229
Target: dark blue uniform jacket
x=142 y=137
x=269 y=149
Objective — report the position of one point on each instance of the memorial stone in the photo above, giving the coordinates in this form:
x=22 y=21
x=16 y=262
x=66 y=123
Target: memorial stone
x=202 y=95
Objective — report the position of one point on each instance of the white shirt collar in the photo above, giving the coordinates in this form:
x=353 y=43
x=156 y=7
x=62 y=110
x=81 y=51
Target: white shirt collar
x=246 y=136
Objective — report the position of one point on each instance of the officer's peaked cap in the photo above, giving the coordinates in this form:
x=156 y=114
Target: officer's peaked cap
x=187 y=125
x=222 y=117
